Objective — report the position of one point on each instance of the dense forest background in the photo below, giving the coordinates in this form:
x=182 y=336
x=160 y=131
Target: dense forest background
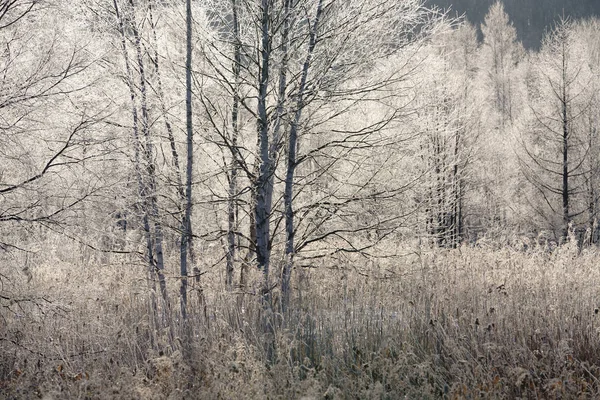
x=531 y=18
x=298 y=199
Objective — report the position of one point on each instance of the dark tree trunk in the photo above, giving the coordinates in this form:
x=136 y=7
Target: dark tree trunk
x=186 y=235
x=565 y=150
x=264 y=186
x=288 y=196
x=232 y=195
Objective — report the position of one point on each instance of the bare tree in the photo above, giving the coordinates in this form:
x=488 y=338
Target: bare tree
x=306 y=72
x=53 y=139
x=144 y=152
x=36 y=78
x=501 y=53
x=186 y=235
x=554 y=159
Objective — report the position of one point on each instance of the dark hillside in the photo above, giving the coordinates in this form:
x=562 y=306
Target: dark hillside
x=530 y=17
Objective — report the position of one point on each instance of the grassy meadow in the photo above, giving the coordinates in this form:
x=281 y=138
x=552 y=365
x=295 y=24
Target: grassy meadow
x=475 y=322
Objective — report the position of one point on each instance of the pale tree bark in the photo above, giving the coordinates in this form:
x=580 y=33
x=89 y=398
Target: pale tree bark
x=179 y=184
x=163 y=108
x=147 y=175
x=234 y=75
x=592 y=176
x=232 y=200
x=148 y=152
x=452 y=127
x=142 y=190
x=466 y=134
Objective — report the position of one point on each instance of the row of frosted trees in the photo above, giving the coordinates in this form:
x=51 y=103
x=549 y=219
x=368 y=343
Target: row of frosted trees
x=299 y=132
x=292 y=113
x=510 y=145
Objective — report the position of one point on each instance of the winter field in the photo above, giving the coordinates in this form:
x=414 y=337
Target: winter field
x=465 y=323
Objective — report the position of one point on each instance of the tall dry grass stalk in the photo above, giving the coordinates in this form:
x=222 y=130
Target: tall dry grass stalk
x=465 y=323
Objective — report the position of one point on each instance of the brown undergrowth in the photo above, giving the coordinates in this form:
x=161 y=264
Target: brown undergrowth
x=466 y=323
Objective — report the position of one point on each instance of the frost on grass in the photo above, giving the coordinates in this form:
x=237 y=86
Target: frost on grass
x=468 y=322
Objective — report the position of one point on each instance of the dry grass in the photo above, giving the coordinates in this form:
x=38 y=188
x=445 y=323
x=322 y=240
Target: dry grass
x=467 y=323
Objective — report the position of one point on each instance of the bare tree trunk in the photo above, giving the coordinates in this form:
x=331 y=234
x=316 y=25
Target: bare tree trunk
x=589 y=239
x=457 y=189
x=288 y=196
x=232 y=196
x=264 y=182
x=591 y=189
x=161 y=97
x=247 y=261
x=175 y=157
x=565 y=143
x=151 y=174
x=142 y=188
x=186 y=226
x=439 y=192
